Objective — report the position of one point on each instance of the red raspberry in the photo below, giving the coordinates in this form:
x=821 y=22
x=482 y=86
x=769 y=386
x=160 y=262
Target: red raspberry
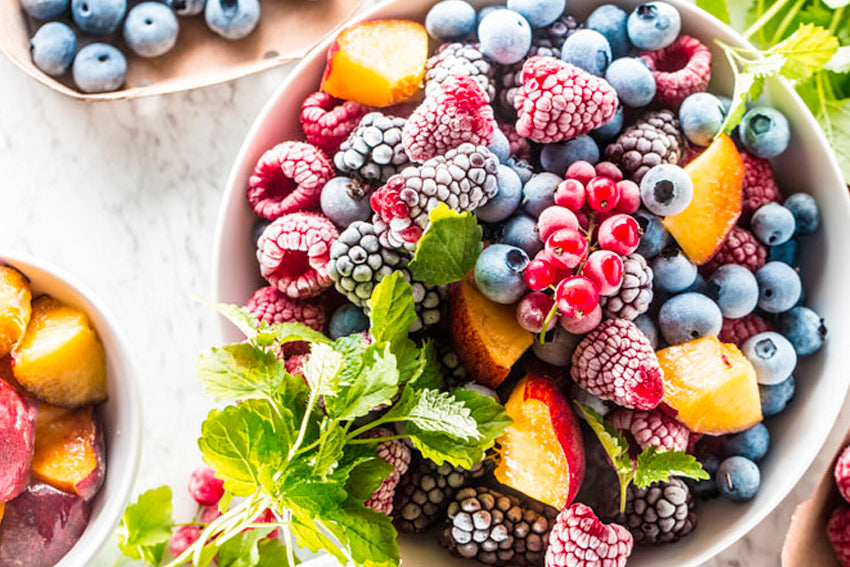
x=458 y=112
x=558 y=101
x=651 y=429
x=842 y=474
x=398 y=455
x=269 y=305
x=520 y=148
x=183 y=537
x=838 y=530
x=293 y=252
x=327 y=121
x=680 y=70
x=295 y=363
x=579 y=539
x=616 y=362
x=204 y=487
x=759 y=187
x=208 y=514
x=737 y=331
x=288 y=178
x=742 y=248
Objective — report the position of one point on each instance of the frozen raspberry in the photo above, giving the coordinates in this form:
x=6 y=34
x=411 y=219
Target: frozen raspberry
x=327 y=121
x=579 y=539
x=742 y=248
x=651 y=429
x=293 y=252
x=271 y=306
x=842 y=474
x=398 y=455
x=616 y=362
x=288 y=178
x=838 y=530
x=182 y=538
x=758 y=188
x=520 y=148
x=737 y=331
x=204 y=487
x=680 y=70
x=559 y=101
x=295 y=362
x=457 y=112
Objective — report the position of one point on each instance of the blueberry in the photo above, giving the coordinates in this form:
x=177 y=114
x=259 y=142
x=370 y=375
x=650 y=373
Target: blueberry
x=98 y=17
x=53 y=48
x=647 y=326
x=521 y=167
x=610 y=21
x=771 y=355
x=805 y=211
x=655 y=237
x=505 y=36
x=558 y=348
x=482 y=13
x=585 y=398
x=666 y=189
x=555 y=158
x=772 y=224
x=775 y=397
x=751 y=443
x=45 y=9
x=500 y=146
x=520 y=232
x=653 y=25
x=735 y=290
x=610 y=129
x=232 y=19
x=738 y=479
x=344 y=201
x=539 y=193
x=701 y=116
x=506 y=201
x=151 y=29
x=347 y=320
x=259 y=228
x=765 y=132
x=804 y=329
x=687 y=317
x=672 y=271
x=699 y=286
x=632 y=80
x=451 y=20
x=588 y=50
x=785 y=252
x=779 y=287
x=539 y=13
x=99 y=68
x=186 y=7
x=498 y=273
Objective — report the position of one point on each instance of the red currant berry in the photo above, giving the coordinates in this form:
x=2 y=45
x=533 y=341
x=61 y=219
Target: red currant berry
x=629 y=197
x=538 y=274
x=570 y=194
x=620 y=234
x=576 y=296
x=581 y=171
x=555 y=218
x=605 y=269
x=560 y=272
x=182 y=538
x=567 y=248
x=602 y=194
x=532 y=310
x=609 y=170
x=204 y=487
x=208 y=514
x=582 y=325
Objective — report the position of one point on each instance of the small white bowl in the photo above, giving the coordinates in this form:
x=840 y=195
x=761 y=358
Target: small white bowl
x=120 y=415
x=808 y=165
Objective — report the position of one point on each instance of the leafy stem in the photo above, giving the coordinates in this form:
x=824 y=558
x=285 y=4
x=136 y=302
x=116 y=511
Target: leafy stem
x=765 y=18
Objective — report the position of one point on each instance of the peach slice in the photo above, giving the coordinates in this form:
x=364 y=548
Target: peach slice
x=15 y=309
x=485 y=335
x=541 y=453
x=702 y=228
x=712 y=385
x=2 y=511
x=377 y=63
x=60 y=359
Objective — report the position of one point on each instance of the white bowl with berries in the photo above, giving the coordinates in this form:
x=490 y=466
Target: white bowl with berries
x=577 y=180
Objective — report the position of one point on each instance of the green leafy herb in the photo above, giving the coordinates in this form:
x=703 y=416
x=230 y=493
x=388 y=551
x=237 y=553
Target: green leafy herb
x=391 y=309
x=449 y=247
x=654 y=466
x=240 y=371
x=146 y=526
x=716 y=8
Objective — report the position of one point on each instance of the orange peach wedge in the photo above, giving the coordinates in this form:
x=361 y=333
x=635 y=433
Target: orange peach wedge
x=15 y=309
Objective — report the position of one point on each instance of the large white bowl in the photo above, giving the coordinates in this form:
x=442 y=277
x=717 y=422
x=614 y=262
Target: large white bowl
x=808 y=165
x=120 y=416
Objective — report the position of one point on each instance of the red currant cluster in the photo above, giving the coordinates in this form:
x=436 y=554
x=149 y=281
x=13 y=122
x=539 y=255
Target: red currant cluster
x=585 y=235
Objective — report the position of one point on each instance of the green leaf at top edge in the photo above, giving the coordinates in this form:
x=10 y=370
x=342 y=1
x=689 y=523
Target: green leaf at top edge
x=449 y=247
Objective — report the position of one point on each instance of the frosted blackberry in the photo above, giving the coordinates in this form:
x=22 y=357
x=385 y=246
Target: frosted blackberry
x=654 y=139
x=460 y=60
x=661 y=513
x=635 y=293
x=373 y=152
x=454 y=370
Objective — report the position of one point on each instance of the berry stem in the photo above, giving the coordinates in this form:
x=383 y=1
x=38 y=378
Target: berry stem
x=549 y=316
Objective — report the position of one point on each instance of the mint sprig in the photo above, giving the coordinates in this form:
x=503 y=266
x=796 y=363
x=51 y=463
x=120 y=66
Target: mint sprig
x=449 y=247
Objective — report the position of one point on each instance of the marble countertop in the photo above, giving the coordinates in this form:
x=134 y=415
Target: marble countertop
x=125 y=196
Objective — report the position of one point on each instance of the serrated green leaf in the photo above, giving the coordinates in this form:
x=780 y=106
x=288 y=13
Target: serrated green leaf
x=655 y=466
x=311 y=537
x=391 y=309
x=294 y=332
x=369 y=536
x=242 y=550
x=240 y=317
x=449 y=247
x=329 y=452
x=366 y=477
x=408 y=360
x=322 y=369
x=145 y=527
x=430 y=371
x=273 y=554
x=806 y=51
x=716 y=8
x=240 y=371
x=375 y=384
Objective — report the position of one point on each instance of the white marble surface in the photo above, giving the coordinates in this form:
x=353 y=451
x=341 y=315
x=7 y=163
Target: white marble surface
x=125 y=196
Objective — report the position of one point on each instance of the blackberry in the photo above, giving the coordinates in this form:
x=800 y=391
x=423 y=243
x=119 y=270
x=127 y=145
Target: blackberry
x=373 y=152
x=661 y=513
x=654 y=139
x=635 y=293
x=456 y=60
x=497 y=529
x=453 y=368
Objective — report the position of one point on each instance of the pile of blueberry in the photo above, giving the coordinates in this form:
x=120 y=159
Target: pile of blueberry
x=148 y=29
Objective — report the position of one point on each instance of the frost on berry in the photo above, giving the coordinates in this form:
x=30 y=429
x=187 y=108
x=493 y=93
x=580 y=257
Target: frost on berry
x=680 y=70
x=741 y=248
x=838 y=531
x=519 y=146
x=758 y=187
x=460 y=60
x=327 y=121
x=270 y=305
x=842 y=474
x=737 y=331
x=398 y=455
x=580 y=539
x=651 y=429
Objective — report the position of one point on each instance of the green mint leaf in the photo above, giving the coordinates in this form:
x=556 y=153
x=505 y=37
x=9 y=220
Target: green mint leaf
x=368 y=535
x=615 y=446
x=408 y=360
x=375 y=384
x=309 y=535
x=442 y=412
x=241 y=318
x=391 y=309
x=430 y=371
x=449 y=247
x=293 y=332
x=654 y=466
x=322 y=369
x=330 y=450
x=273 y=554
x=840 y=62
x=366 y=477
x=716 y=8
x=145 y=527
x=806 y=51
x=243 y=550
x=240 y=371
x=310 y=498
x=765 y=67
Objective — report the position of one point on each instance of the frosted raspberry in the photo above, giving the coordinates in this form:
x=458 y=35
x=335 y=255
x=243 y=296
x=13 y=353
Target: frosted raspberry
x=579 y=539
x=457 y=112
x=519 y=146
x=271 y=306
x=293 y=252
x=288 y=178
x=742 y=248
x=651 y=429
x=842 y=474
x=294 y=363
x=327 y=121
x=559 y=101
x=680 y=70
x=737 y=331
x=398 y=455
x=616 y=362
x=758 y=188
x=838 y=530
